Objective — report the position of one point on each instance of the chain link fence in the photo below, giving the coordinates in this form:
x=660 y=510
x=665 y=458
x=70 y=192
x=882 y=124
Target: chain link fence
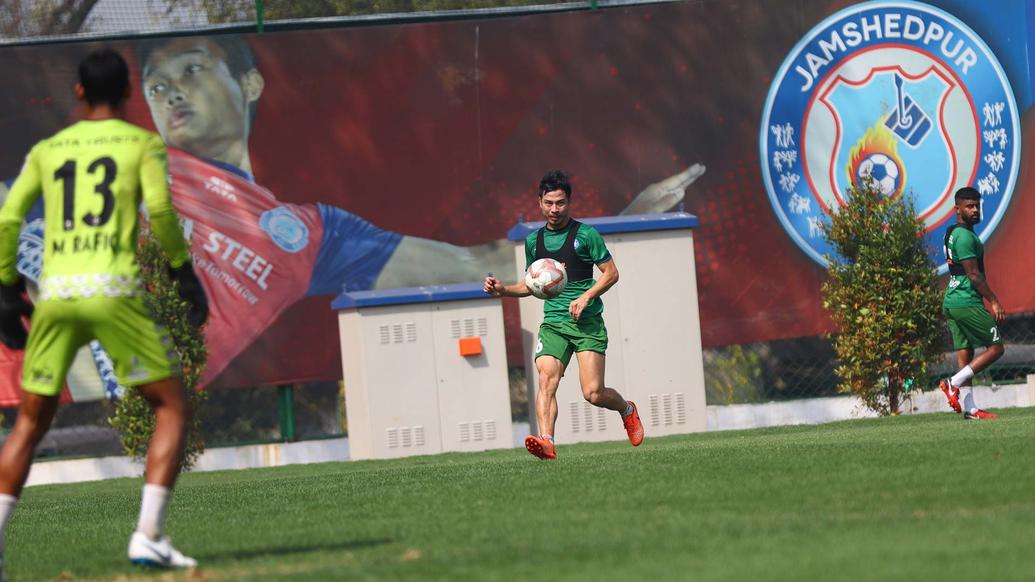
x=806 y=367
x=229 y=418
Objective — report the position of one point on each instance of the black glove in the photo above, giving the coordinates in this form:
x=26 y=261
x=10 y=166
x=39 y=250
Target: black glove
x=14 y=306
x=192 y=292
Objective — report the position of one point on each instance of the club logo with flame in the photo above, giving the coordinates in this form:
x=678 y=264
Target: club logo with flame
x=898 y=95
x=873 y=162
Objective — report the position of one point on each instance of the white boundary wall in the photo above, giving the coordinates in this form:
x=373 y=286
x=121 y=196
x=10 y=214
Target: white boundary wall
x=219 y=459
x=820 y=410
x=729 y=417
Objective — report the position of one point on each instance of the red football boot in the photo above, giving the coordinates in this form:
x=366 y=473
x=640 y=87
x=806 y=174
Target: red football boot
x=952 y=394
x=541 y=447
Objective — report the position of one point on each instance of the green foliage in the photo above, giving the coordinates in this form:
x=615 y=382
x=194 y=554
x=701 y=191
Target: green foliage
x=883 y=294
x=134 y=419
x=237 y=10
x=43 y=17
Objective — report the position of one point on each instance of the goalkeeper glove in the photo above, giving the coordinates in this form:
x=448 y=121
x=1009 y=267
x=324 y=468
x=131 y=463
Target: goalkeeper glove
x=13 y=306
x=192 y=292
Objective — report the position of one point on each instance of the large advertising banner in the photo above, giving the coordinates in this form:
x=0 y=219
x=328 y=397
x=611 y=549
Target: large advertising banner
x=306 y=163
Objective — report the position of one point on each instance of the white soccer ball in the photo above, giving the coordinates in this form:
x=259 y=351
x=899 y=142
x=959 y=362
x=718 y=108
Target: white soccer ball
x=884 y=172
x=546 y=278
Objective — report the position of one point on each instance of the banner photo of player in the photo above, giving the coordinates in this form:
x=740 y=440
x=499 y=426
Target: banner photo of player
x=310 y=162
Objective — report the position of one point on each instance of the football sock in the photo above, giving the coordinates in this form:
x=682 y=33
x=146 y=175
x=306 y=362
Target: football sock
x=628 y=410
x=548 y=437
x=962 y=376
x=152 y=511
x=7 y=503
x=968 y=400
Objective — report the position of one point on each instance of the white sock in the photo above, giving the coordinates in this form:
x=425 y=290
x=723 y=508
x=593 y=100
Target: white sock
x=152 y=511
x=968 y=399
x=962 y=376
x=7 y=503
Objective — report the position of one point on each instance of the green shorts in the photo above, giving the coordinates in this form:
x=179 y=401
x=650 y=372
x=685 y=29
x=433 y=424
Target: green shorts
x=561 y=339
x=140 y=349
x=972 y=327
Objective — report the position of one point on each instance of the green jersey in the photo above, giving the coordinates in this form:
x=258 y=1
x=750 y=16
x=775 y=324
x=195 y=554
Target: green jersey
x=93 y=176
x=962 y=245
x=589 y=246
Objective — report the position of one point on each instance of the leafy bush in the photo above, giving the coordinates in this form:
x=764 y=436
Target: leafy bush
x=733 y=375
x=884 y=297
x=134 y=419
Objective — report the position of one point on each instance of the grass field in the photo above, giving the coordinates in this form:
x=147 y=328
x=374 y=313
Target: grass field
x=910 y=498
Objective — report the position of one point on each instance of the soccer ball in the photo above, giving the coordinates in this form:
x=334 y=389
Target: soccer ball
x=883 y=170
x=546 y=278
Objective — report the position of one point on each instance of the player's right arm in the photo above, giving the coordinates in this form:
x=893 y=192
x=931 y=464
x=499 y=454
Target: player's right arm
x=496 y=288
x=23 y=194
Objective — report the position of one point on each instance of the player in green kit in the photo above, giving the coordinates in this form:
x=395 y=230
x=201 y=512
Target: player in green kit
x=572 y=321
x=93 y=176
x=970 y=324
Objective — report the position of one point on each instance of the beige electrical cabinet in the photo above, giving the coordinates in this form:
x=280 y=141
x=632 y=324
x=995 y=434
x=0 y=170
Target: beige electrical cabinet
x=654 y=332
x=425 y=371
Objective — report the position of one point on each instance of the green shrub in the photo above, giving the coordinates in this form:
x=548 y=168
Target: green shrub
x=133 y=417
x=732 y=375
x=884 y=297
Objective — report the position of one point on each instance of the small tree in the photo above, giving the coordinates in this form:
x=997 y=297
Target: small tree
x=882 y=293
x=134 y=419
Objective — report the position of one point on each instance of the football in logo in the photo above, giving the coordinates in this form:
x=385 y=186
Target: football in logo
x=899 y=93
x=882 y=170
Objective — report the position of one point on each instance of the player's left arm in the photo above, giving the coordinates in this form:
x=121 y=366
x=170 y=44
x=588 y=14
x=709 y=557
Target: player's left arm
x=420 y=261
x=608 y=277
x=966 y=248
x=663 y=195
x=593 y=249
x=980 y=284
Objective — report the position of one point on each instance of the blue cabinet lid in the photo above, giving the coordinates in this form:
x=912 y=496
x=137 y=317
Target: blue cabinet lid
x=409 y=295
x=616 y=224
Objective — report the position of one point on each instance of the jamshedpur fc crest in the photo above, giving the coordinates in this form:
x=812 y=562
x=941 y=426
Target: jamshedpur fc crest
x=899 y=92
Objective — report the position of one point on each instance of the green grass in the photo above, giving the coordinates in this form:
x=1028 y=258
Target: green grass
x=926 y=497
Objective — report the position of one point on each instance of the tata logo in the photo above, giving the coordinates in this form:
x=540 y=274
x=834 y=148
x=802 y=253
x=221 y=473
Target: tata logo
x=221 y=187
x=899 y=92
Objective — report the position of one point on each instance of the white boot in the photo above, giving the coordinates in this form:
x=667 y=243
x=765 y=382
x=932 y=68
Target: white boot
x=160 y=553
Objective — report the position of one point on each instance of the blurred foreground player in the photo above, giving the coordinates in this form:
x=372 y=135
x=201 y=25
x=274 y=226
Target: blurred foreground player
x=93 y=176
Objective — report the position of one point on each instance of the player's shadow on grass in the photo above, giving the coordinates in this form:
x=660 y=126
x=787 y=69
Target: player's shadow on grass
x=288 y=550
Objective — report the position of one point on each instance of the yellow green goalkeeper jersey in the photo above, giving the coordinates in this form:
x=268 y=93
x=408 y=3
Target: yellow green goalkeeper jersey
x=93 y=176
